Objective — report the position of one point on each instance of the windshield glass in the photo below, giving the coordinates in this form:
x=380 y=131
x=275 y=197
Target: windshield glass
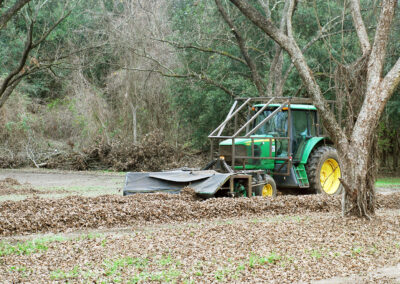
x=276 y=126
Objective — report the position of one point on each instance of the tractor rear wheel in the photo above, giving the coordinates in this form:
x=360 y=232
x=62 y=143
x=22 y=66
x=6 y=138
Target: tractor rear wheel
x=323 y=171
x=266 y=189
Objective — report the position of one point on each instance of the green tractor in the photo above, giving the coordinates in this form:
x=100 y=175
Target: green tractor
x=283 y=138
x=263 y=144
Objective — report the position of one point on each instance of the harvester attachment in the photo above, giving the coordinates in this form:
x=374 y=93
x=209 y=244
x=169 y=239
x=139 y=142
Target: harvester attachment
x=222 y=181
x=205 y=183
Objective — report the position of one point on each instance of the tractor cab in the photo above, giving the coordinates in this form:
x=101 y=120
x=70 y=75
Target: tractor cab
x=303 y=119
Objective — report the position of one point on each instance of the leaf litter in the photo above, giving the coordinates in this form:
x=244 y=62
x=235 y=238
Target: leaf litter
x=281 y=250
x=181 y=238
x=36 y=215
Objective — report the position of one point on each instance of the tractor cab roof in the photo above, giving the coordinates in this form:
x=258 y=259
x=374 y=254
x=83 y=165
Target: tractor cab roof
x=292 y=106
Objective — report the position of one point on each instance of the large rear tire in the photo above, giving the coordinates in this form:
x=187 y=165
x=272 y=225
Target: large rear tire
x=323 y=171
x=267 y=189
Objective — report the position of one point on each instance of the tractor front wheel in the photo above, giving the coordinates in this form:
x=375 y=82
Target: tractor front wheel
x=323 y=171
x=266 y=189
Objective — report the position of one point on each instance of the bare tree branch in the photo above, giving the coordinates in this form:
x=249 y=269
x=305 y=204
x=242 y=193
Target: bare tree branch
x=392 y=78
x=289 y=44
x=378 y=52
x=216 y=84
x=147 y=56
x=265 y=5
x=320 y=35
x=15 y=76
x=203 y=49
x=241 y=42
x=375 y=86
x=8 y=91
x=11 y=12
x=360 y=27
x=46 y=34
x=24 y=57
x=290 y=11
x=199 y=77
x=275 y=82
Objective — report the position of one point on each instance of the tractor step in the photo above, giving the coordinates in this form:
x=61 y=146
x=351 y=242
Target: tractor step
x=301 y=176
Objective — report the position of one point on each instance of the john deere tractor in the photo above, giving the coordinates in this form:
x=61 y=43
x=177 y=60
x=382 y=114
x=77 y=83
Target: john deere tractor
x=263 y=144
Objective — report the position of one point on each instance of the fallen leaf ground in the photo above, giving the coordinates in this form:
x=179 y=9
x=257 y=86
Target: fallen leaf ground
x=278 y=249
x=181 y=239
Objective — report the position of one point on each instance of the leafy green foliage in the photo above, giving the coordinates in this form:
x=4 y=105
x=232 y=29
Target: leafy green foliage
x=199 y=105
x=202 y=105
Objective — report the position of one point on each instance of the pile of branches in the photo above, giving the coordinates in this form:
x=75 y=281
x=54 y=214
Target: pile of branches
x=152 y=154
x=12 y=162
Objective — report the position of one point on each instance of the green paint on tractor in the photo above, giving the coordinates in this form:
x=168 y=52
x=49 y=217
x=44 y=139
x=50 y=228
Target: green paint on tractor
x=262 y=148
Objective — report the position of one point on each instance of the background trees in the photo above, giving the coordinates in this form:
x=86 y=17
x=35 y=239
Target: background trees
x=116 y=70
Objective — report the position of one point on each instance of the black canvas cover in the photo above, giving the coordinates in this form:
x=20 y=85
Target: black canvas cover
x=203 y=182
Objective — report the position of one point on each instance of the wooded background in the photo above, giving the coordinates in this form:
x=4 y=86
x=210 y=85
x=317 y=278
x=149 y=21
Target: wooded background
x=102 y=72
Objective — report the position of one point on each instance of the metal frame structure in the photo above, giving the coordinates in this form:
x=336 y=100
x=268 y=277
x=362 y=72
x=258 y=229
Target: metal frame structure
x=239 y=105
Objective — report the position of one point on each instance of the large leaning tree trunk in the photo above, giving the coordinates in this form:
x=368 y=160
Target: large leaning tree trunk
x=355 y=147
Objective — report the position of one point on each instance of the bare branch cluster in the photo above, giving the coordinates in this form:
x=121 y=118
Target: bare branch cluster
x=26 y=67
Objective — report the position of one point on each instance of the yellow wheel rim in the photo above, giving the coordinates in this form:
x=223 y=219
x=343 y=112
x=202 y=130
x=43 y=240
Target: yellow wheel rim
x=329 y=176
x=267 y=190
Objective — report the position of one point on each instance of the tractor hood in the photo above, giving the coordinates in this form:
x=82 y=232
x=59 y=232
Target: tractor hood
x=264 y=146
x=258 y=139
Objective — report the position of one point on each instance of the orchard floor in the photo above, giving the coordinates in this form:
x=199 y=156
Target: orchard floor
x=75 y=227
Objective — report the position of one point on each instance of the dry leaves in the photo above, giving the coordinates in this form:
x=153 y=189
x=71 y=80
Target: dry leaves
x=35 y=215
x=10 y=186
x=280 y=249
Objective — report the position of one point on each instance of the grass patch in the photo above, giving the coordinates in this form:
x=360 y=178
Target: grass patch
x=220 y=274
x=28 y=247
x=356 y=250
x=165 y=276
x=315 y=253
x=255 y=260
x=18 y=269
x=114 y=267
x=388 y=182
x=91 y=236
x=60 y=274
x=166 y=260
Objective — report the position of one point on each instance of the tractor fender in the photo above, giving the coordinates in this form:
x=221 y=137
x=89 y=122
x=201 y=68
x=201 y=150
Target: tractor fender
x=311 y=144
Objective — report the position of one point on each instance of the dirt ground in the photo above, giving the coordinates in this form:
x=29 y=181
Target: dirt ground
x=50 y=179
x=70 y=231
x=57 y=184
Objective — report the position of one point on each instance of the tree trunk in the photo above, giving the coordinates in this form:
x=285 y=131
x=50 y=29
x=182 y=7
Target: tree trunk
x=358 y=178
